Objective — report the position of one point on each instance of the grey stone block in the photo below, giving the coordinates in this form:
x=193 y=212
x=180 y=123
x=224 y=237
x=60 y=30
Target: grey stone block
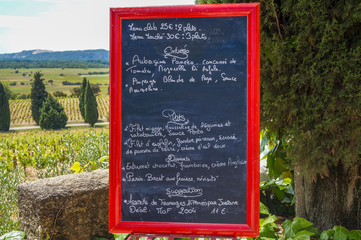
x=67 y=207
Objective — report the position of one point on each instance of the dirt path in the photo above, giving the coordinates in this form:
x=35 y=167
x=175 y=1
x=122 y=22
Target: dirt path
x=68 y=125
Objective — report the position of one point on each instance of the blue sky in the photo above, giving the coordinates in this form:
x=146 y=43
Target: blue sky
x=23 y=7
x=61 y=25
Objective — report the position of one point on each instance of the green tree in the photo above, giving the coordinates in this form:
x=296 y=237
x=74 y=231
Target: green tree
x=4 y=109
x=90 y=106
x=38 y=95
x=95 y=88
x=311 y=96
x=52 y=115
x=10 y=94
x=81 y=98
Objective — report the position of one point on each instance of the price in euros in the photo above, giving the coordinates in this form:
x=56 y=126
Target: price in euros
x=219 y=211
x=173 y=36
x=166 y=26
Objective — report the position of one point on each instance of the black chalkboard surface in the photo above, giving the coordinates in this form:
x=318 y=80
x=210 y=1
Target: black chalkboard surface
x=184 y=120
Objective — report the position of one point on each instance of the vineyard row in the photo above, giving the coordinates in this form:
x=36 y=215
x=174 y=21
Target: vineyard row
x=21 y=110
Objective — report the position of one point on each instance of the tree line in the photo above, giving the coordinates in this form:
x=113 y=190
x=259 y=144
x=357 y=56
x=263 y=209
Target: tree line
x=22 y=63
x=46 y=111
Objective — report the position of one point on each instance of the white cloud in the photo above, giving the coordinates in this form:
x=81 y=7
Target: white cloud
x=67 y=25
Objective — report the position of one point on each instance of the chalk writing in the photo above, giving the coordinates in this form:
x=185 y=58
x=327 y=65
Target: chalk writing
x=184 y=120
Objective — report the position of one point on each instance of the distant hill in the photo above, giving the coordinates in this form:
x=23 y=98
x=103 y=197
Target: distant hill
x=46 y=55
x=98 y=58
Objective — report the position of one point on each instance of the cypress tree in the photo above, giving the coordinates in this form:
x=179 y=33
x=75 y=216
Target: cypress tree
x=52 y=115
x=38 y=95
x=4 y=109
x=11 y=95
x=90 y=106
x=81 y=98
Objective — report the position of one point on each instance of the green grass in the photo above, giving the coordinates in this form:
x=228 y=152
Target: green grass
x=58 y=75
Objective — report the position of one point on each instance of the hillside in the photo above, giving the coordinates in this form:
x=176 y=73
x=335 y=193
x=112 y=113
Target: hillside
x=49 y=59
x=46 y=55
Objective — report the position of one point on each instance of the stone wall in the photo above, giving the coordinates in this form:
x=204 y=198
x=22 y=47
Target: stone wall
x=67 y=207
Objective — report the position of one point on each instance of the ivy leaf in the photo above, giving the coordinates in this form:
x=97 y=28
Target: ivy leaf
x=271 y=165
x=287 y=227
x=302 y=237
x=286 y=200
x=93 y=165
x=264 y=221
x=267 y=231
x=14 y=235
x=325 y=235
x=290 y=190
x=316 y=231
x=303 y=233
x=292 y=228
x=300 y=223
x=263 y=209
x=267 y=227
x=355 y=235
x=341 y=233
x=286 y=181
x=267 y=184
x=264 y=143
x=279 y=193
x=121 y=236
x=279 y=166
x=76 y=167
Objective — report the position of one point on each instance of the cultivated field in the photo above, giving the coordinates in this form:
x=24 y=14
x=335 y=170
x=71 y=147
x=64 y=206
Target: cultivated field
x=21 y=110
x=41 y=154
x=19 y=80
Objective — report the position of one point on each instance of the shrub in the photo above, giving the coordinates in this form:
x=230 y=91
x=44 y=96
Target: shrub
x=52 y=114
x=70 y=83
x=95 y=88
x=23 y=96
x=76 y=91
x=59 y=94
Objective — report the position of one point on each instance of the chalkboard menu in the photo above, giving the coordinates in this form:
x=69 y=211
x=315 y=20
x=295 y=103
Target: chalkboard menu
x=181 y=100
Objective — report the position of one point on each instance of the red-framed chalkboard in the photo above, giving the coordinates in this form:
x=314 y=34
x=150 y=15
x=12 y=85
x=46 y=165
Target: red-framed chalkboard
x=184 y=120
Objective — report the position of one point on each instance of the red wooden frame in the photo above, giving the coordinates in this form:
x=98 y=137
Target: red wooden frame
x=252 y=12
